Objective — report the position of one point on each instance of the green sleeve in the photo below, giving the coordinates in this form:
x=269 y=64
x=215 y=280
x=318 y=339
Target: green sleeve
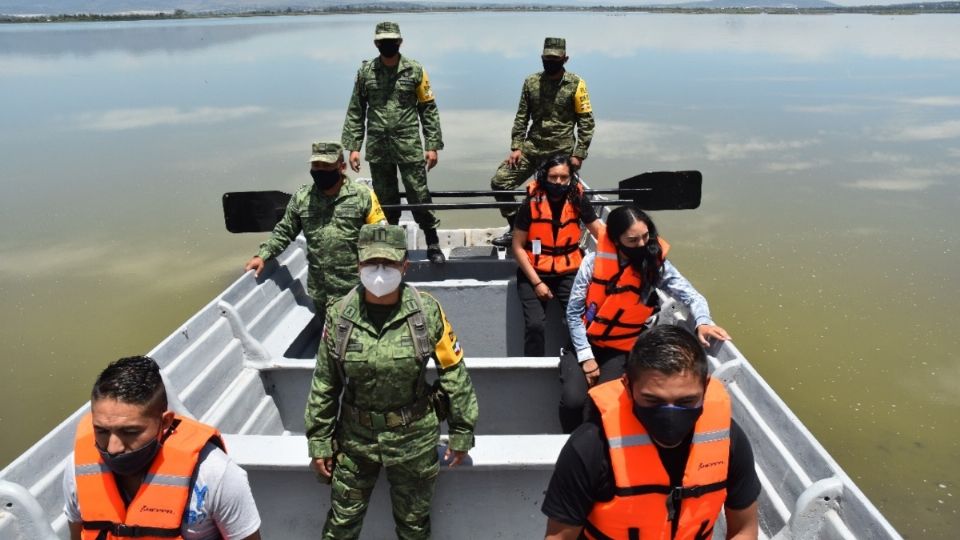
x=353 y=124
x=585 y=127
x=283 y=232
x=430 y=122
x=455 y=381
x=519 y=132
x=320 y=418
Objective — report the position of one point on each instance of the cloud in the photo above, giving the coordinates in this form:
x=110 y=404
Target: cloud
x=932 y=132
x=718 y=150
x=893 y=185
x=126 y=119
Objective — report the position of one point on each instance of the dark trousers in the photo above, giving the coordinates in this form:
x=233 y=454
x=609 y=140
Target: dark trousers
x=573 y=394
x=535 y=310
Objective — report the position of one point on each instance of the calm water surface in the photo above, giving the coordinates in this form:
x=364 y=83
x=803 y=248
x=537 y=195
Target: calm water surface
x=826 y=242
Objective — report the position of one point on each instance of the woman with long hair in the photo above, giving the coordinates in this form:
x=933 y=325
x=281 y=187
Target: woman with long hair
x=612 y=301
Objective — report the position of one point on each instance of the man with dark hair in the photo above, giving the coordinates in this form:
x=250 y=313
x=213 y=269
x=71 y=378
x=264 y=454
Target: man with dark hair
x=661 y=455
x=141 y=470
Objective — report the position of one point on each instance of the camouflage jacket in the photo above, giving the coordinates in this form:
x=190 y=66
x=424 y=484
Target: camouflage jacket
x=383 y=374
x=392 y=104
x=548 y=111
x=331 y=226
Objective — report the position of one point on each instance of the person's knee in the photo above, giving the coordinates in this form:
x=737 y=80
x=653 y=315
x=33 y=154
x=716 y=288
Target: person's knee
x=535 y=326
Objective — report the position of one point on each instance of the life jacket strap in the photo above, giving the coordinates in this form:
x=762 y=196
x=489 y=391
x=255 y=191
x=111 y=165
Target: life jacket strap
x=683 y=492
x=133 y=531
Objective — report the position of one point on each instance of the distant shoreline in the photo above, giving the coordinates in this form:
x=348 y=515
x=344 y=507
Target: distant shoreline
x=905 y=9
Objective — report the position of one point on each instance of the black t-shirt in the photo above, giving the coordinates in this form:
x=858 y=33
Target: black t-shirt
x=524 y=219
x=583 y=474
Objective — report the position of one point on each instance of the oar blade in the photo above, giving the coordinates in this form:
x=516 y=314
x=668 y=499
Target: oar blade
x=666 y=190
x=253 y=211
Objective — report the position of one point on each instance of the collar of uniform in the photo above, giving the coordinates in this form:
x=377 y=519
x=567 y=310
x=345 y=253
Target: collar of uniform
x=402 y=65
x=566 y=79
x=408 y=305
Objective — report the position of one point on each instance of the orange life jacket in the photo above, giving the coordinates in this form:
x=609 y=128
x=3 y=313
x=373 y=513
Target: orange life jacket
x=559 y=253
x=156 y=510
x=615 y=312
x=644 y=502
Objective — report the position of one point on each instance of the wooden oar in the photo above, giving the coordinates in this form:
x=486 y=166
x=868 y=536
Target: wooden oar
x=259 y=211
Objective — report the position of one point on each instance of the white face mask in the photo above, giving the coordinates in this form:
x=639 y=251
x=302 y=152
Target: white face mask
x=380 y=280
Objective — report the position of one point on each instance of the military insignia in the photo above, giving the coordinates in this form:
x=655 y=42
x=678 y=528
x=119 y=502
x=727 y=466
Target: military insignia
x=448 y=349
x=424 y=92
x=581 y=99
x=354 y=346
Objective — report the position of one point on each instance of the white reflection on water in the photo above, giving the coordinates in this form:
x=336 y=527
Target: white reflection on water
x=124 y=119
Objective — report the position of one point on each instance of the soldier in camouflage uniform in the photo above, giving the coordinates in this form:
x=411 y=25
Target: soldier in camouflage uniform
x=552 y=103
x=330 y=212
x=392 y=99
x=376 y=343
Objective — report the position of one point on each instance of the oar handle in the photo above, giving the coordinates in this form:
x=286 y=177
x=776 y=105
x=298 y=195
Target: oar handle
x=481 y=205
x=495 y=192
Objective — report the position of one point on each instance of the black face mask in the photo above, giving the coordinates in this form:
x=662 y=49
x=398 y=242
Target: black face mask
x=552 y=67
x=667 y=425
x=131 y=463
x=635 y=254
x=556 y=191
x=325 y=179
x=388 y=47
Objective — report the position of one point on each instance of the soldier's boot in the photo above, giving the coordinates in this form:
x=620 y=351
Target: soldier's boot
x=434 y=253
x=506 y=239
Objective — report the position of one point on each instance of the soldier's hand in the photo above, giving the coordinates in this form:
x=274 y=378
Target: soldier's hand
x=454 y=457
x=355 y=160
x=256 y=263
x=513 y=160
x=322 y=466
x=576 y=162
x=430 y=156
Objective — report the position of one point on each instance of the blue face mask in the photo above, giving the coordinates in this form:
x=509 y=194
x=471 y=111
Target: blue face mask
x=668 y=425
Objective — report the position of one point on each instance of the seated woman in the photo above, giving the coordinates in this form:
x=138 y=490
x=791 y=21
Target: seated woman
x=611 y=302
x=546 y=244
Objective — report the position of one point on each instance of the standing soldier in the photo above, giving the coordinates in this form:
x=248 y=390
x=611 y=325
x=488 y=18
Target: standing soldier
x=392 y=99
x=375 y=347
x=552 y=102
x=330 y=212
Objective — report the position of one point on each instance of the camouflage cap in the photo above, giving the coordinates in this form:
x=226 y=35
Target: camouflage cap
x=382 y=242
x=326 y=152
x=387 y=30
x=554 y=46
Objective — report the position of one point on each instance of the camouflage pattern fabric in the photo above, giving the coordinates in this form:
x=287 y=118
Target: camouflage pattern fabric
x=383 y=374
x=331 y=226
x=391 y=104
x=548 y=113
x=412 y=484
x=414 y=182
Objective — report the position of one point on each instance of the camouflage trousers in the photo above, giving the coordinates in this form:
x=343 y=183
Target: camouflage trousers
x=412 y=484
x=511 y=178
x=414 y=177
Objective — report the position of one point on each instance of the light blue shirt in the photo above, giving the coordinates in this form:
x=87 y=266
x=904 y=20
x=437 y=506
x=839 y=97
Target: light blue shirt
x=671 y=282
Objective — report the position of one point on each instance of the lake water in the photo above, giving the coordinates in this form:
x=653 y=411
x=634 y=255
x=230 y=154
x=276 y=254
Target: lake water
x=826 y=242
